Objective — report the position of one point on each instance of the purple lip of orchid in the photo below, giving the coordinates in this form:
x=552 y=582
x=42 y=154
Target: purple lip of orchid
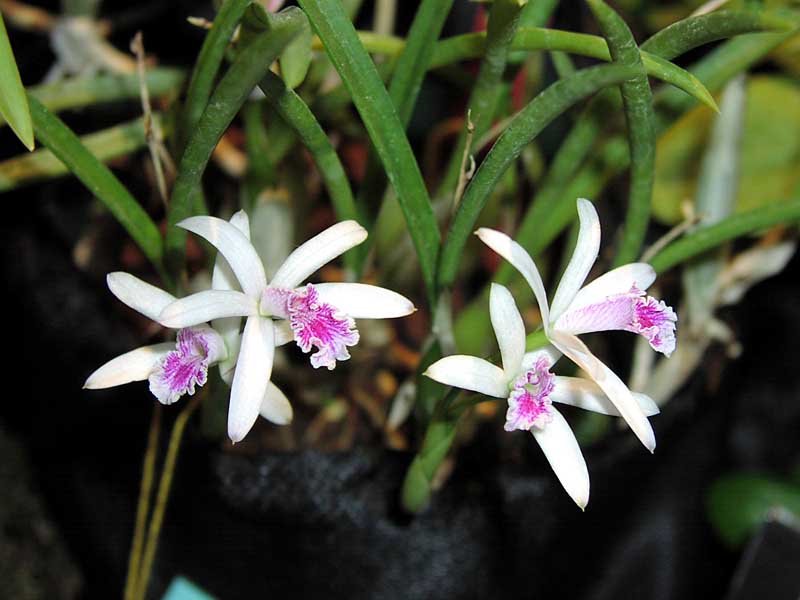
x=314 y=323
x=529 y=404
x=656 y=321
x=181 y=370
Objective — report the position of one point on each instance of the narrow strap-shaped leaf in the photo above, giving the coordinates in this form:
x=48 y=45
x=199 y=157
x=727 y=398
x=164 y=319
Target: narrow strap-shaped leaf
x=695 y=31
x=62 y=142
x=208 y=62
x=503 y=20
x=13 y=101
x=86 y=91
x=404 y=87
x=523 y=129
x=472 y=45
x=637 y=101
x=706 y=238
x=105 y=145
x=385 y=129
x=722 y=64
x=299 y=117
x=234 y=88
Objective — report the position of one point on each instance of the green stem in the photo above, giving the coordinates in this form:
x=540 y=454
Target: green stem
x=162 y=496
x=143 y=505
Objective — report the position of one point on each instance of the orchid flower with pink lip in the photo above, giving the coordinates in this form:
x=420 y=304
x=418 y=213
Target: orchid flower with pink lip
x=531 y=388
x=315 y=315
x=172 y=369
x=175 y=369
x=615 y=300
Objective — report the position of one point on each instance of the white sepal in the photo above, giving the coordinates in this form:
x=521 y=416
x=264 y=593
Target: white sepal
x=617 y=281
x=522 y=262
x=275 y=406
x=586 y=394
x=362 y=301
x=608 y=381
x=140 y=296
x=235 y=247
x=564 y=455
x=583 y=257
x=470 y=373
x=203 y=307
x=253 y=370
x=318 y=251
x=508 y=328
x=135 y=365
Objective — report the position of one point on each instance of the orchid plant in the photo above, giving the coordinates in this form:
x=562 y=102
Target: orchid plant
x=615 y=300
x=315 y=315
x=527 y=381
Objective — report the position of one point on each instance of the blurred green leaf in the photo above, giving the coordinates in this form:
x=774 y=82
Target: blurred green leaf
x=768 y=170
x=230 y=94
x=295 y=59
x=13 y=102
x=385 y=129
x=62 y=142
x=105 y=145
x=738 y=504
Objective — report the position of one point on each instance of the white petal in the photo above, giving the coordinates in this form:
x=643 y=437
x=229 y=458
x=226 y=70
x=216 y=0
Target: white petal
x=318 y=251
x=236 y=249
x=532 y=357
x=224 y=279
x=203 y=307
x=253 y=370
x=140 y=296
x=283 y=332
x=583 y=257
x=470 y=373
x=522 y=262
x=135 y=365
x=362 y=301
x=608 y=381
x=241 y=221
x=617 y=281
x=586 y=394
x=563 y=453
x=508 y=328
x=275 y=406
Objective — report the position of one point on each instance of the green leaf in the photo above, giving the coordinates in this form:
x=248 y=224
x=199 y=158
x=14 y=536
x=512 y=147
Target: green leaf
x=503 y=20
x=105 y=145
x=543 y=109
x=208 y=63
x=637 y=100
x=296 y=57
x=291 y=108
x=385 y=129
x=62 y=142
x=229 y=96
x=13 y=101
x=726 y=230
x=409 y=72
x=79 y=92
x=695 y=31
x=738 y=504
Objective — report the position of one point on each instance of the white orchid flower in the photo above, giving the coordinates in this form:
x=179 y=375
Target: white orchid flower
x=316 y=315
x=615 y=300
x=531 y=388
x=174 y=369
